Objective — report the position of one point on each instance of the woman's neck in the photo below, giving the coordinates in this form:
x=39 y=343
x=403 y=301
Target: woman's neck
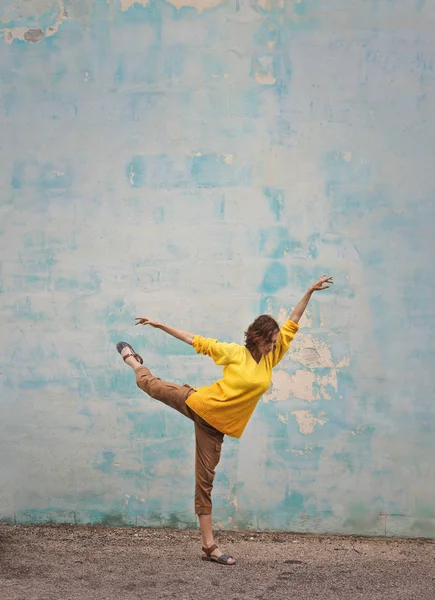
x=256 y=355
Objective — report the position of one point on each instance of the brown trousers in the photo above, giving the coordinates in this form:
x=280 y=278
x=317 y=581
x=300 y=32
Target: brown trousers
x=208 y=439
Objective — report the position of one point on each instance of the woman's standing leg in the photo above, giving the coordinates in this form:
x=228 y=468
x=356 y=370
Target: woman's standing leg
x=208 y=451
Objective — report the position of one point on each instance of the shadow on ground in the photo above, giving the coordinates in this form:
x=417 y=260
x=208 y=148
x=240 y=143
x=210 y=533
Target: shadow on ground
x=98 y=563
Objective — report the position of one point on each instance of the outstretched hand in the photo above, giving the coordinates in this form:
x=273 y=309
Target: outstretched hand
x=146 y=321
x=322 y=283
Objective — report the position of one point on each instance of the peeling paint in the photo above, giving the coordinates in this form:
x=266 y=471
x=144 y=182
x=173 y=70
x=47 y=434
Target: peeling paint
x=235 y=502
x=300 y=452
x=26 y=9
x=344 y=362
x=262 y=70
x=200 y=5
x=271 y=5
x=19 y=33
x=283 y=418
x=307 y=422
x=126 y=4
x=304 y=384
x=308 y=349
x=34 y=35
x=53 y=29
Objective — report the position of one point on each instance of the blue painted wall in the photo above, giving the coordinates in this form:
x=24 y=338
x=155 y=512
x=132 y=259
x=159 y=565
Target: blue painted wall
x=201 y=162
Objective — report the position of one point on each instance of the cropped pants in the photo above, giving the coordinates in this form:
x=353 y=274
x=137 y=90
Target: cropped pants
x=208 y=439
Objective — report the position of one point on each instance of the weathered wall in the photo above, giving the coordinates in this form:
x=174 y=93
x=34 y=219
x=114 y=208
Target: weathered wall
x=200 y=162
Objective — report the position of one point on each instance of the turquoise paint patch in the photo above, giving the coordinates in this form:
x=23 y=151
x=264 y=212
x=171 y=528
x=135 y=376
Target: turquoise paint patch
x=276 y=198
x=42 y=21
x=118 y=311
x=135 y=172
x=54 y=178
x=276 y=242
x=158 y=171
x=275 y=278
x=160 y=64
x=90 y=283
x=42 y=176
x=293 y=502
x=8 y=101
x=213 y=170
x=37 y=260
x=174 y=61
x=105 y=384
x=120 y=73
x=282 y=132
x=219 y=209
x=147 y=70
x=274 y=7
x=105 y=462
x=80 y=383
x=142 y=103
x=306 y=16
x=23 y=310
x=212 y=66
x=346 y=459
x=283 y=72
x=29 y=283
x=138 y=13
x=268 y=33
x=59 y=76
x=343 y=168
x=159 y=215
x=17 y=175
x=248 y=105
x=146 y=425
x=45 y=516
x=303 y=8
x=268 y=304
x=169 y=346
x=39 y=383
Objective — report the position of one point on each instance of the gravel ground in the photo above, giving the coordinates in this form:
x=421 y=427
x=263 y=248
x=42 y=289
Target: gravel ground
x=99 y=563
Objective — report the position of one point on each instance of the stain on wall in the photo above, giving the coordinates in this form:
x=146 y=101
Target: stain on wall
x=202 y=162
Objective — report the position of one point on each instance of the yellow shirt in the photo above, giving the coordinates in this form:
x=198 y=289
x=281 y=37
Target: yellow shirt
x=228 y=404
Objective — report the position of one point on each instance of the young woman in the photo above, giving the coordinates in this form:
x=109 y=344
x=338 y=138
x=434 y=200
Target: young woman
x=225 y=406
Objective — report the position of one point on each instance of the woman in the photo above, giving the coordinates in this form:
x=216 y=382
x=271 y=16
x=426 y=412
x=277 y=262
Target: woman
x=223 y=408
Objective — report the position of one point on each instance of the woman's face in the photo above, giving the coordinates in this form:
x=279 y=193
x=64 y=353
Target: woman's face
x=266 y=346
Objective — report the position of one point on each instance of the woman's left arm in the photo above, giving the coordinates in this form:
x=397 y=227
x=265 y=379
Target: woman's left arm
x=290 y=327
x=323 y=284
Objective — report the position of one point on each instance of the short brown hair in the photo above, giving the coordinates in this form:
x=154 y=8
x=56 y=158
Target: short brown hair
x=262 y=328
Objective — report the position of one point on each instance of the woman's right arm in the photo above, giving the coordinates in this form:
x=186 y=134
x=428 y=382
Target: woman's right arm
x=184 y=336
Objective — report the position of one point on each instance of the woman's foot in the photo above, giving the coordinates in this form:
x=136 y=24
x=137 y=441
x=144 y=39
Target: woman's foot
x=213 y=554
x=132 y=358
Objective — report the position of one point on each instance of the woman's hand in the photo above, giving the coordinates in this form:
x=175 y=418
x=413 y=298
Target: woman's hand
x=184 y=336
x=146 y=321
x=322 y=284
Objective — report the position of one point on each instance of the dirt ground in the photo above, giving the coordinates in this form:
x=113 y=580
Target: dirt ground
x=98 y=563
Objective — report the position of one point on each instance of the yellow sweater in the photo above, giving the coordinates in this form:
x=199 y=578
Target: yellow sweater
x=228 y=404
